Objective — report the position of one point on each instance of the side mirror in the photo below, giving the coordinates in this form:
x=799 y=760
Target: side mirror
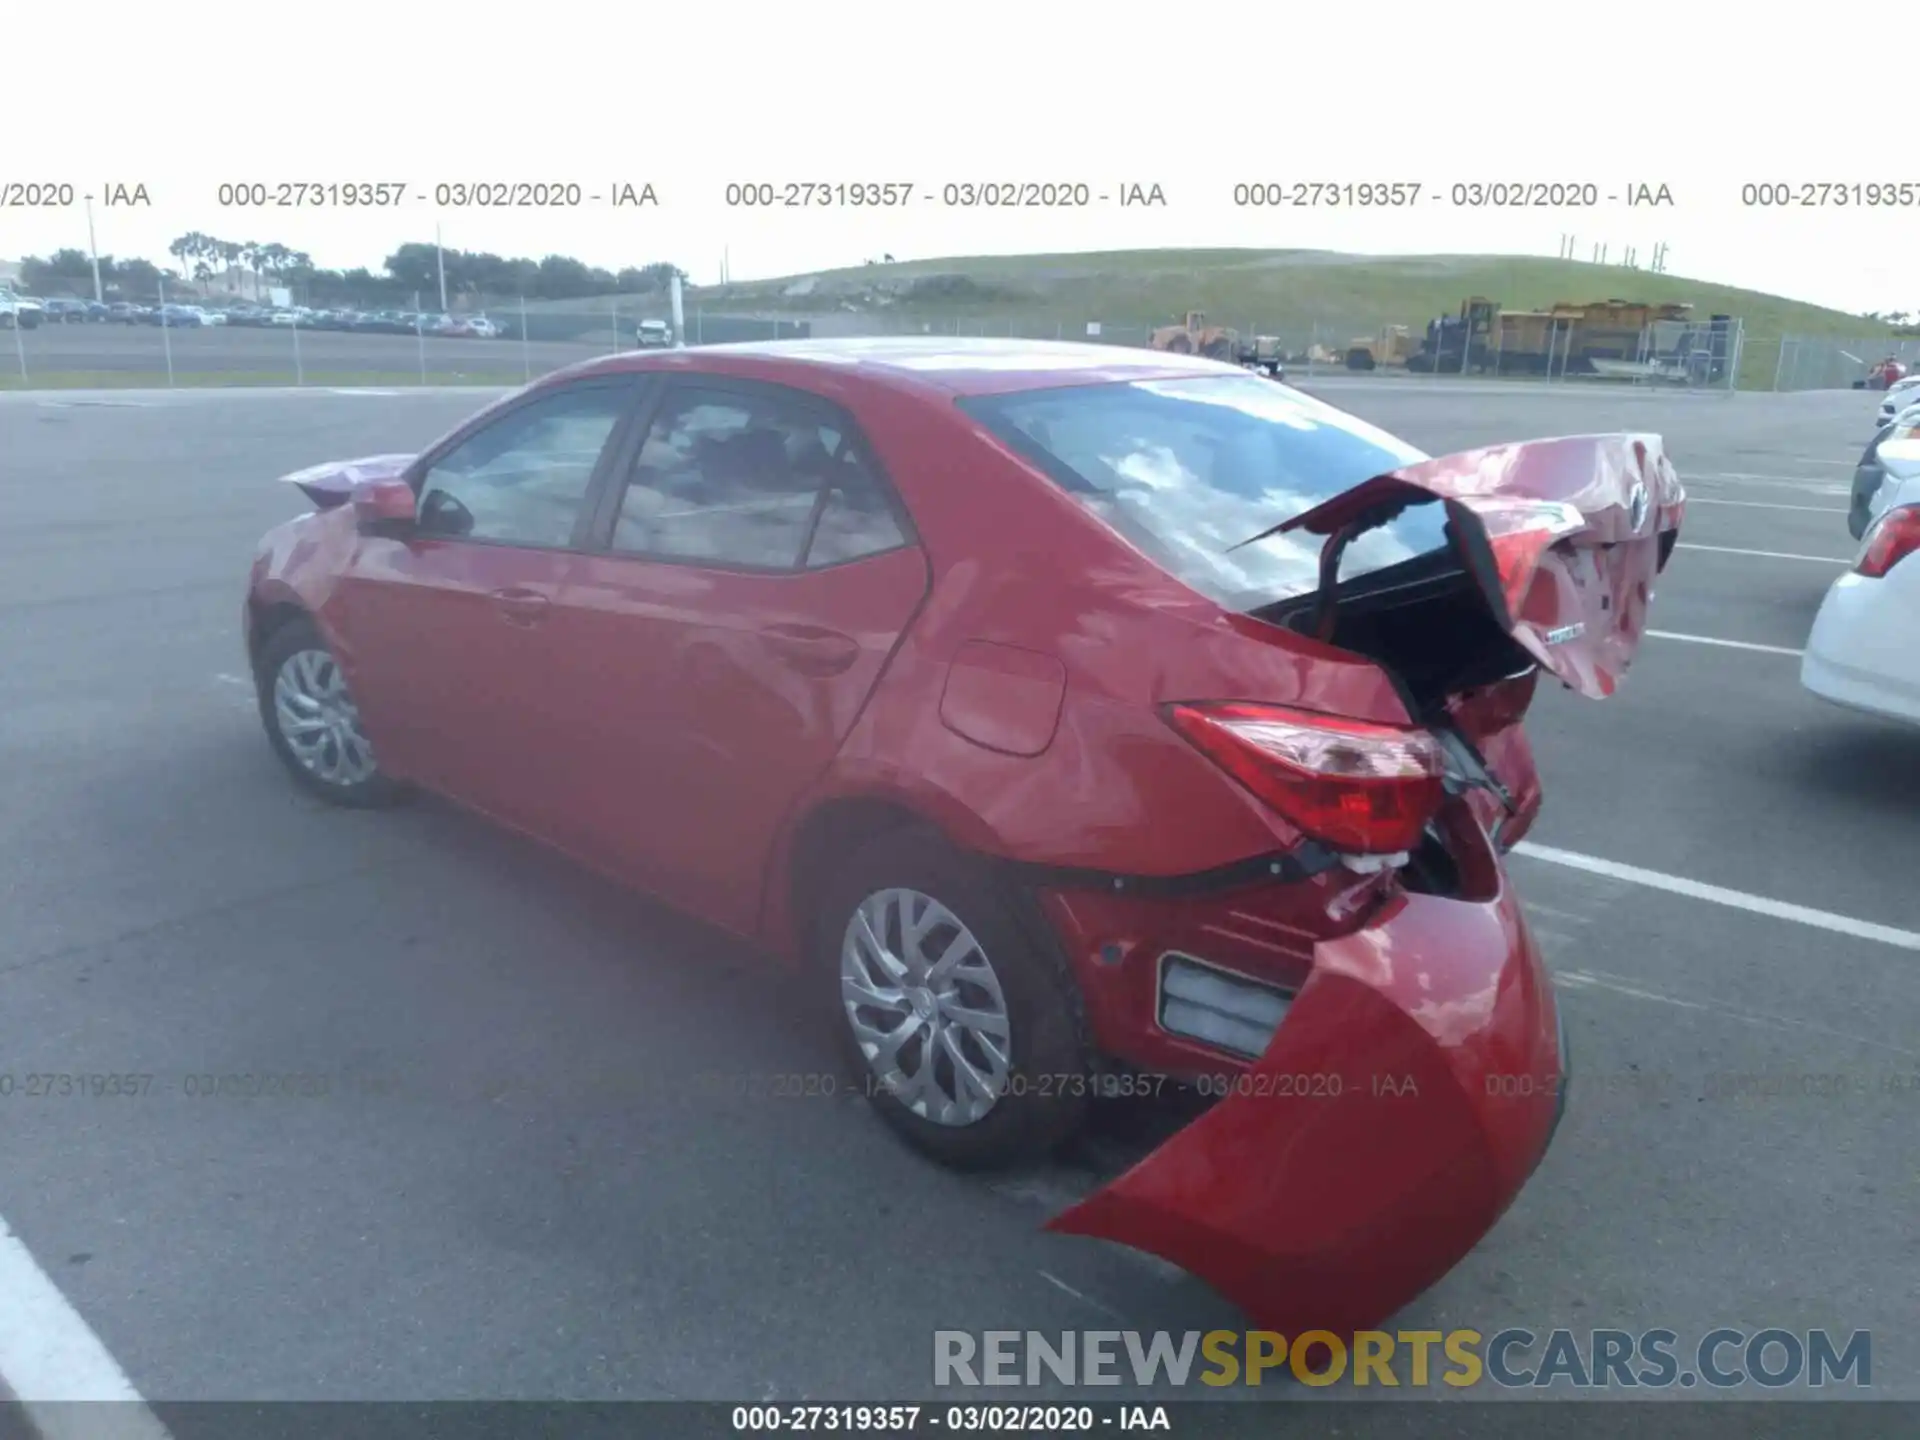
x=384 y=504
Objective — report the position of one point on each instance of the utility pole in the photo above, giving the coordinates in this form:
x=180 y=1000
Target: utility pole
x=440 y=258
x=99 y=292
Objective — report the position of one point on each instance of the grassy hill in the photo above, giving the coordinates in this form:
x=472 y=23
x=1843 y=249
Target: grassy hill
x=1300 y=295
x=1283 y=292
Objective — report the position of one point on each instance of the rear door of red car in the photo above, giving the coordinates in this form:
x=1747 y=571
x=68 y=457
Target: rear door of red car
x=443 y=629
x=755 y=572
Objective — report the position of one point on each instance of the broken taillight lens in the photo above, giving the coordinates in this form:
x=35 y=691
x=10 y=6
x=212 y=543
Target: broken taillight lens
x=1357 y=787
x=1888 y=541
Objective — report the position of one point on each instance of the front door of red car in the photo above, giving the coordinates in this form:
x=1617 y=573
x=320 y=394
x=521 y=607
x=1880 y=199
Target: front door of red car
x=444 y=629
x=756 y=575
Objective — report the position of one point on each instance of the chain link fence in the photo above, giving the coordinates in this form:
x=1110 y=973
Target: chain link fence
x=1807 y=362
x=510 y=340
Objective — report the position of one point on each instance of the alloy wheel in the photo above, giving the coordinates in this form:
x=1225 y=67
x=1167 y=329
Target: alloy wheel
x=926 y=1007
x=319 y=721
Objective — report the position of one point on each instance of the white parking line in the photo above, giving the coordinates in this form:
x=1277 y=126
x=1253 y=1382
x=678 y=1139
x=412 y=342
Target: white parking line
x=1764 y=554
x=1727 y=644
x=1633 y=990
x=1717 y=895
x=1767 y=505
x=1800 y=487
x=54 y=1365
x=1755 y=477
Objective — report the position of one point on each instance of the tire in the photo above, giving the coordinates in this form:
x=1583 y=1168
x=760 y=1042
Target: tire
x=357 y=787
x=1040 y=1100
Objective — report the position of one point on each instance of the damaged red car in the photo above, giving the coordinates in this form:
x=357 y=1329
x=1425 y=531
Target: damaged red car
x=1067 y=712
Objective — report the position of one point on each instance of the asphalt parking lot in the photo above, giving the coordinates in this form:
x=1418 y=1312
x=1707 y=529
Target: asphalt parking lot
x=527 y=1180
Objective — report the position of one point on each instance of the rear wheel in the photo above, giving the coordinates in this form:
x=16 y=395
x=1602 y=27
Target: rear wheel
x=958 y=1015
x=313 y=723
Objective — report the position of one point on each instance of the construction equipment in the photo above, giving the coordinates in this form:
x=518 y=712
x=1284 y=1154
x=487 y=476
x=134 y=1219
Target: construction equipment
x=1196 y=337
x=1454 y=341
x=1611 y=337
x=1265 y=353
x=1392 y=346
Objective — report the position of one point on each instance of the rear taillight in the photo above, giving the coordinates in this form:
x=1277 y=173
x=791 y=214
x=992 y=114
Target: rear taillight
x=1888 y=541
x=1356 y=787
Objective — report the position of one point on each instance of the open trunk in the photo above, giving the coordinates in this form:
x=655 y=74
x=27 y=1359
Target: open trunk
x=1553 y=548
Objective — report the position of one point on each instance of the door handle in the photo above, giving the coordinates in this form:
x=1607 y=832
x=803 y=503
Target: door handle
x=520 y=607
x=811 y=650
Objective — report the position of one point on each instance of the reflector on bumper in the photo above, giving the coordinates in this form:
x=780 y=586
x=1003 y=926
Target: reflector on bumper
x=1218 y=1007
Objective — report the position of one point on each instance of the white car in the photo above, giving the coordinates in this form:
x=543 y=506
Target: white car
x=19 y=310
x=1861 y=653
x=1902 y=394
x=653 y=335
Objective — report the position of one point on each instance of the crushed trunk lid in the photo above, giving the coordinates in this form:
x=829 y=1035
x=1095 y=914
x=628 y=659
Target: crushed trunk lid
x=331 y=484
x=1563 y=539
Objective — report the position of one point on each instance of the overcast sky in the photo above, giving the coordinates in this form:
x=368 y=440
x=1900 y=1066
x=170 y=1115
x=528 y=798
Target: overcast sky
x=1192 y=98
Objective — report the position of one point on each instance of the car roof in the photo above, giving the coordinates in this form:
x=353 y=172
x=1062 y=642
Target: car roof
x=957 y=365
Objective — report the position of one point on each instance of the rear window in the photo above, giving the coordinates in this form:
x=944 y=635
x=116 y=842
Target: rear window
x=1188 y=469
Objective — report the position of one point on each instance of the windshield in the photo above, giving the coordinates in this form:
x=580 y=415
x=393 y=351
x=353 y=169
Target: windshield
x=1188 y=469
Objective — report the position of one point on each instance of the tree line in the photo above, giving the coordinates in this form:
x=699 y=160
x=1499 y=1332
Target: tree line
x=249 y=269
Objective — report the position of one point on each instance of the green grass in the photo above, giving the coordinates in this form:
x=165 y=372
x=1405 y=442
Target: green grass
x=229 y=379
x=1284 y=292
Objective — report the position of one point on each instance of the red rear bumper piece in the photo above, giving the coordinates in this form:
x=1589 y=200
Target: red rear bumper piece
x=1407 y=1096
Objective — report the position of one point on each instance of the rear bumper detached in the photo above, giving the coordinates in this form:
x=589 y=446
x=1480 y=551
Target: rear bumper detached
x=1405 y=1100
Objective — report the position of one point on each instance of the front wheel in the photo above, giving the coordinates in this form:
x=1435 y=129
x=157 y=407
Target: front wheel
x=313 y=723
x=957 y=1012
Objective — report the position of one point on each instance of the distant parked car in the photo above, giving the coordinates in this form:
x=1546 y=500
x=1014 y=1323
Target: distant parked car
x=1899 y=396
x=283 y=319
x=1870 y=485
x=653 y=335
x=1861 y=654
x=64 y=311
x=98 y=312
x=21 y=311
x=176 y=317
x=210 y=317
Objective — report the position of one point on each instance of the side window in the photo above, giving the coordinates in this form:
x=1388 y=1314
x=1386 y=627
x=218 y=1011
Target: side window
x=856 y=519
x=523 y=479
x=750 y=479
x=724 y=477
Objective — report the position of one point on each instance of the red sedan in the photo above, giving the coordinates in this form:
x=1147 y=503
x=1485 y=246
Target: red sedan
x=1072 y=714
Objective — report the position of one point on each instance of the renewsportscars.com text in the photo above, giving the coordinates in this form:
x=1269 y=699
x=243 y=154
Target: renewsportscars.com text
x=1722 y=1359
